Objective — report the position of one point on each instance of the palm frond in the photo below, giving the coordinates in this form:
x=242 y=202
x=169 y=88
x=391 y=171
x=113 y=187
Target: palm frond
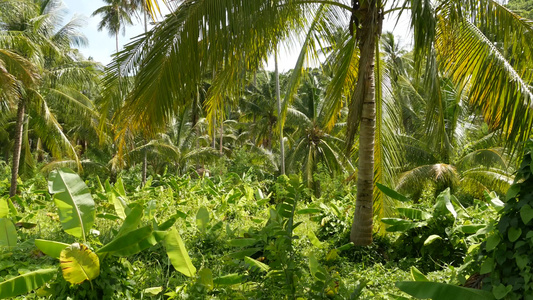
x=414 y=181
x=494 y=85
x=200 y=37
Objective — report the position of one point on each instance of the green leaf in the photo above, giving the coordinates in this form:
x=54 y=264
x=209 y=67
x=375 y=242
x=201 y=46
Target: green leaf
x=13 y=210
x=119 y=187
x=243 y=253
x=230 y=279
x=471 y=229
x=512 y=192
x=513 y=234
x=242 y=242
x=51 y=248
x=392 y=193
x=441 y=291
x=132 y=221
x=25 y=283
x=202 y=219
x=417 y=275
x=526 y=213
x=397 y=224
x=177 y=253
x=255 y=264
x=259 y=194
x=108 y=187
x=431 y=239
x=74 y=201
x=153 y=291
x=170 y=222
x=494 y=200
x=333 y=254
x=414 y=214
x=500 y=291
x=79 y=263
x=107 y=216
x=132 y=242
x=119 y=204
x=4 y=208
x=444 y=202
x=213 y=230
x=313 y=239
x=308 y=211
x=487 y=266
x=25 y=225
x=522 y=261
x=313 y=264
x=346 y=247
x=99 y=185
x=492 y=242
x=205 y=277
x=8 y=233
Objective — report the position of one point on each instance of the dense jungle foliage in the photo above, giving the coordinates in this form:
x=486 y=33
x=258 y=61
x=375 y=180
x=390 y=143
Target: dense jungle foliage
x=386 y=169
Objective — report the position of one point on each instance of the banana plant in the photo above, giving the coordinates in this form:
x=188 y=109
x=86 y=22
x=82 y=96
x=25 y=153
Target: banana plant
x=77 y=213
x=8 y=233
x=25 y=283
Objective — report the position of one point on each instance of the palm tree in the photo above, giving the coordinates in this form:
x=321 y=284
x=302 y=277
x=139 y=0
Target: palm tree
x=115 y=16
x=230 y=37
x=174 y=148
x=61 y=75
x=278 y=100
x=258 y=107
x=468 y=156
x=311 y=143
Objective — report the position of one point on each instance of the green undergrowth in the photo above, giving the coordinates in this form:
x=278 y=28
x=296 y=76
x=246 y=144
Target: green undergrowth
x=246 y=239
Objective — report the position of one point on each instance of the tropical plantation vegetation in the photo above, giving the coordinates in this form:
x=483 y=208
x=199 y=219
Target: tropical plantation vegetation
x=376 y=168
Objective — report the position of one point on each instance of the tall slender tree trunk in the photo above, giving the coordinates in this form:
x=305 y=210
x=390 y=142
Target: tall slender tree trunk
x=278 y=99
x=19 y=126
x=118 y=69
x=145 y=159
x=145 y=167
x=195 y=118
x=363 y=106
x=221 y=137
x=214 y=140
x=116 y=44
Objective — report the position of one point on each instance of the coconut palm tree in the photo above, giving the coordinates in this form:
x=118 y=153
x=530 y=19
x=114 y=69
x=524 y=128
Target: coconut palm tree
x=464 y=38
x=469 y=156
x=311 y=143
x=258 y=107
x=116 y=15
x=175 y=148
x=61 y=76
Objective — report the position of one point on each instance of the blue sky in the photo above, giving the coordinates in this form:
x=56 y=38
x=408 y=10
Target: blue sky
x=102 y=46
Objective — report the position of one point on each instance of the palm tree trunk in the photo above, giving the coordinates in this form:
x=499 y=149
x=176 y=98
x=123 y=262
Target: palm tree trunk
x=116 y=43
x=367 y=34
x=278 y=98
x=221 y=136
x=19 y=126
x=195 y=123
x=145 y=167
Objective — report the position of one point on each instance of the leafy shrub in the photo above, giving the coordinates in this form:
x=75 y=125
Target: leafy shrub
x=436 y=236
x=506 y=254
